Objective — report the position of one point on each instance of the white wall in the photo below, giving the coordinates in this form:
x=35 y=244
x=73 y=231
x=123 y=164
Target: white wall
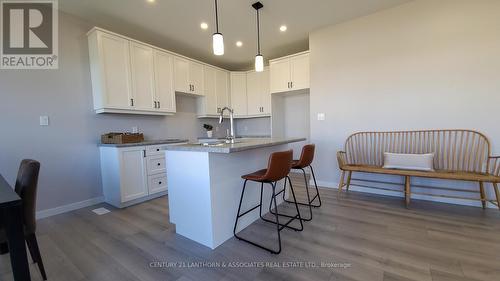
x=67 y=149
x=422 y=65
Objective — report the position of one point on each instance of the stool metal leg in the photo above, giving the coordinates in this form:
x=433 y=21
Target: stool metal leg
x=317 y=190
x=298 y=216
x=260 y=210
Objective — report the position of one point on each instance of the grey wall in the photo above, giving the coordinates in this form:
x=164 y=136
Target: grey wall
x=422 y=65
x=67 y=148
x=253 y=127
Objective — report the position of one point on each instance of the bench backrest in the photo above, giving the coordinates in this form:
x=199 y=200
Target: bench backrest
x=455 y=150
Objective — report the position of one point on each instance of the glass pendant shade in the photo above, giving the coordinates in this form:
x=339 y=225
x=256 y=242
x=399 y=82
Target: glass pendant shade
x=218 y=44
x=259 y=63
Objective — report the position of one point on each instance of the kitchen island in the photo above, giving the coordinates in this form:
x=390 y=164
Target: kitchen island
x=204 y=186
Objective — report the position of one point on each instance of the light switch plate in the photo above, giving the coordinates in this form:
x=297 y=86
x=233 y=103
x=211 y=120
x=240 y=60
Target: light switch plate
x=44 y=120
x=321 y=116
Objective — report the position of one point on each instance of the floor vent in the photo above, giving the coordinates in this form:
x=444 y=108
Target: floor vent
x=101 y=211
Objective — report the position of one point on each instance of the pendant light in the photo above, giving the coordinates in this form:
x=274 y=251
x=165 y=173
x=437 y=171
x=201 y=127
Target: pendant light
x=259 y=59
x=218 y=40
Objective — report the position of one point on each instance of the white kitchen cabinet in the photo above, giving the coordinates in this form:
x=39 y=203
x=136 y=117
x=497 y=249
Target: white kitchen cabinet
x=290 y=73
x=280 y=76
x=110 y=71
x=216 y=92
x=258 y=95
x=124 y=76
x=222 y=89
x=164 y=82
x=188 y=76
x=142 y=73
x=131 y=175
x=238 y=81
x=207 y=105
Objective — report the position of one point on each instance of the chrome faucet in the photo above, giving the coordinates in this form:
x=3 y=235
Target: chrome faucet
x=231 y=136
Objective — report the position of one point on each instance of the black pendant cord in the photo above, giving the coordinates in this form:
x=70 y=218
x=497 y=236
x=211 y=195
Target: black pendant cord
x=216 y=18
x=258 y=33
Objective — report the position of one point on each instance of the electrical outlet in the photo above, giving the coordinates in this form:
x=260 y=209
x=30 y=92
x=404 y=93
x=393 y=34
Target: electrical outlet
x=321 y=116
x=44 y=120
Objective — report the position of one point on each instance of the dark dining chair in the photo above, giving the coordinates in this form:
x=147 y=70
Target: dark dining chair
x=26 y=188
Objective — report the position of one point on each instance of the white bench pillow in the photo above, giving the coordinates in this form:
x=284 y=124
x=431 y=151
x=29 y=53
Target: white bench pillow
x=402 y=161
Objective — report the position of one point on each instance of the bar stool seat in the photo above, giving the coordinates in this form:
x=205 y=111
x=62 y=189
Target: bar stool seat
x=256 y=176
x=279 y=167
x=296 y=164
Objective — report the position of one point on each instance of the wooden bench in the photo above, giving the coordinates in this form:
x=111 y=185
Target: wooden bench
x=458 y=155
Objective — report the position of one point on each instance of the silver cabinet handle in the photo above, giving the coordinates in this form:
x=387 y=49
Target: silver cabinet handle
x=291 y=85
x=159 y=105
x=155 y=105
x=131 y=102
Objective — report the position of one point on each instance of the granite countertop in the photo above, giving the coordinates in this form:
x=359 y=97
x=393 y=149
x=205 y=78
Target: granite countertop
x=145 y=143
x=240 y=145
x=237 y=137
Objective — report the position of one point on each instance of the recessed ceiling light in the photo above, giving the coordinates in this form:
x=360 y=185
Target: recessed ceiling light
x=204 y=25
x=151 y=1
x=283 y=28
x=239 y=43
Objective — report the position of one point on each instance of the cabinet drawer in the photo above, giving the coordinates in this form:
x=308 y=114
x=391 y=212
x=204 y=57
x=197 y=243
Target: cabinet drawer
x=154 y=150
x=155 y=164
x=157 y=183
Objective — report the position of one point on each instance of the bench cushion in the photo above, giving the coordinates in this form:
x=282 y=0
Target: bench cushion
x=468 y=176
x=409 y=161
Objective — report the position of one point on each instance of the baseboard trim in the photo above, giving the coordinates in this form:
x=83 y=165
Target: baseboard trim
x=455 y=201
x=68 y=208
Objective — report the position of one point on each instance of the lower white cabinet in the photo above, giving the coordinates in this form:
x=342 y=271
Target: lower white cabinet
x=131 y=175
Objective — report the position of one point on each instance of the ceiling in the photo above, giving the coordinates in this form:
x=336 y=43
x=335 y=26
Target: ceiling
x=175 y=24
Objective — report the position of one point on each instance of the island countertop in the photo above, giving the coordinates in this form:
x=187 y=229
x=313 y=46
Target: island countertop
x=240 y=145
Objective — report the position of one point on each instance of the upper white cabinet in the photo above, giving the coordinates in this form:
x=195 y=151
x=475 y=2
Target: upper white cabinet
x=250 y=94
x=110 y=71
x=216 y=89
x=142 y=70
x=222 y=88
x=238 y=81
x=258 y=93
x=188 y=76
x=164 y=81
x=125 y=76
x=290 y=73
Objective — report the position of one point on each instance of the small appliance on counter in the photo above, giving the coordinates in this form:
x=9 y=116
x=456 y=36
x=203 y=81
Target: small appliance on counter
x=121 y=138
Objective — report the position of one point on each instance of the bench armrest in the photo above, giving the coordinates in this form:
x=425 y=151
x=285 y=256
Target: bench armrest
x=494 y=164
x=342 y=158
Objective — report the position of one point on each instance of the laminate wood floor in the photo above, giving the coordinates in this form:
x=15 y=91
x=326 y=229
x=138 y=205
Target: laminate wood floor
x=359 y=237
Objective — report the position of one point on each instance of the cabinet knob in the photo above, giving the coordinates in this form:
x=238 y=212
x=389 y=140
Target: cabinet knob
x=157 y=149
x=159 y=164
x=159 y=182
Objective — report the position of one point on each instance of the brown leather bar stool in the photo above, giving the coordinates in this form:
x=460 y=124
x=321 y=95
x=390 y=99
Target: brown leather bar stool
x=278 y=168
x=306 y=159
